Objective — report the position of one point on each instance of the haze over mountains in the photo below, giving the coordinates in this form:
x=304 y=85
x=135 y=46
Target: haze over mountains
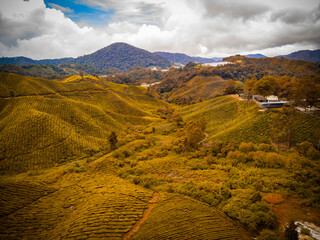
x=124 y=57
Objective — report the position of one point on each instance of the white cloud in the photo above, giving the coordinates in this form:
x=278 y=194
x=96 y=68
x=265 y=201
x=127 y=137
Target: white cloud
x=63 y=9
x=196 y=27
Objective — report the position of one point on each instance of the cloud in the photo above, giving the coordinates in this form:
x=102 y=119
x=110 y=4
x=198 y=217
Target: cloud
x=62 y=9
x=135 y=11
x=196 y=27
x=235 y=9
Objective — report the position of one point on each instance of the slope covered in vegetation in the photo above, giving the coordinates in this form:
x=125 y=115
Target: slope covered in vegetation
x=88 y=158
x=50 y=122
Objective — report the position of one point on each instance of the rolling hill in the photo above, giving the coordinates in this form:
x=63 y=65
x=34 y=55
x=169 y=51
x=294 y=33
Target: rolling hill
x=51 y=122
x=61 y=179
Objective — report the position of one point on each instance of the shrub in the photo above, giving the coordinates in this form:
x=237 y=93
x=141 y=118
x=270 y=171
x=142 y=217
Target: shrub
x=266 y=147
x=305 y=231
x=268 y=160
x=237 y=156
x=246 y=147
x=267 y=234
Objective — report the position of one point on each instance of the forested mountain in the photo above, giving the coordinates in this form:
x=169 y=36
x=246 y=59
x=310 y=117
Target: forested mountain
x=118 y=55
x=184 y=59
x=306 y=55
x=124 y=57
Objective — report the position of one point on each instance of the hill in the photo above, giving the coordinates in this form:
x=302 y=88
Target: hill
x=197 y=89
x=121 y=56
x=62 y=178
x=306 y=55
x=52 y=122
x=258 y=55
x=181 y=58
x=124 y=57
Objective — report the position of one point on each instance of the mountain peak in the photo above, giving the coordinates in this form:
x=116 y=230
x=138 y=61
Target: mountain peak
x=123 y=56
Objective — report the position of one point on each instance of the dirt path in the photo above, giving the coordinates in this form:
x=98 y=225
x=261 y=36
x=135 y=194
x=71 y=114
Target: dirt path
x=206 y=136
x=146 y=213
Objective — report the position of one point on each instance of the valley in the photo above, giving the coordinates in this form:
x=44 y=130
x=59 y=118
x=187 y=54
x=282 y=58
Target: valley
x=201 y=168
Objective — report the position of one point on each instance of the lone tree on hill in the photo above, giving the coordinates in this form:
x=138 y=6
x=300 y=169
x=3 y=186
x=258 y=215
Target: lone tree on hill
x=265 y=86
x=113 y=140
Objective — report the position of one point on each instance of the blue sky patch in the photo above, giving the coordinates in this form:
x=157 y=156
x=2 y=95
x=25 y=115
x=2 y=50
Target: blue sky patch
x=80 y=13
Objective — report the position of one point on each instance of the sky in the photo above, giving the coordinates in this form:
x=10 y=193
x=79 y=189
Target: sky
x=42 y=29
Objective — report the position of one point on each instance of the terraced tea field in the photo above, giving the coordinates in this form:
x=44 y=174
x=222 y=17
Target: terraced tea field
x=230 y=119
x=78 y=206
x=177 y=217
x=61 y=179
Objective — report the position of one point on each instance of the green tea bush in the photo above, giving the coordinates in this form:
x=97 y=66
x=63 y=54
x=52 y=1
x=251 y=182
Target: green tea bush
x=246 y=147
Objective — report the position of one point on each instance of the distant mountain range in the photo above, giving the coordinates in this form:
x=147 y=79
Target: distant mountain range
x=258 y=55
x=27 y=61
x=124 y=57
x=118 y=55
x=306 y=55
x=181 y=58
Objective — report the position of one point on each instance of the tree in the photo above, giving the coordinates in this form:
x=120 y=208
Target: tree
x=265 y=86
x=306 y=91
x=285 y=85
x=282 y=131
x=81 y=73
x=113 y=140
x=194 y=133
x=249 y=86
x=230 y=87
x=290 y=232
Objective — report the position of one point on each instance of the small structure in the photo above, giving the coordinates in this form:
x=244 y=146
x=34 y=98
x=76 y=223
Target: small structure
x=267 y=105
x=269 y=102
x=272 y=98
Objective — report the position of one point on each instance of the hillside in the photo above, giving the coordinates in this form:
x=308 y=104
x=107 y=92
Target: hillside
x=124 y=57
x=181 y=58
x=52 y=122
x=62 y=178
x=197 y=89
x=306 y=55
